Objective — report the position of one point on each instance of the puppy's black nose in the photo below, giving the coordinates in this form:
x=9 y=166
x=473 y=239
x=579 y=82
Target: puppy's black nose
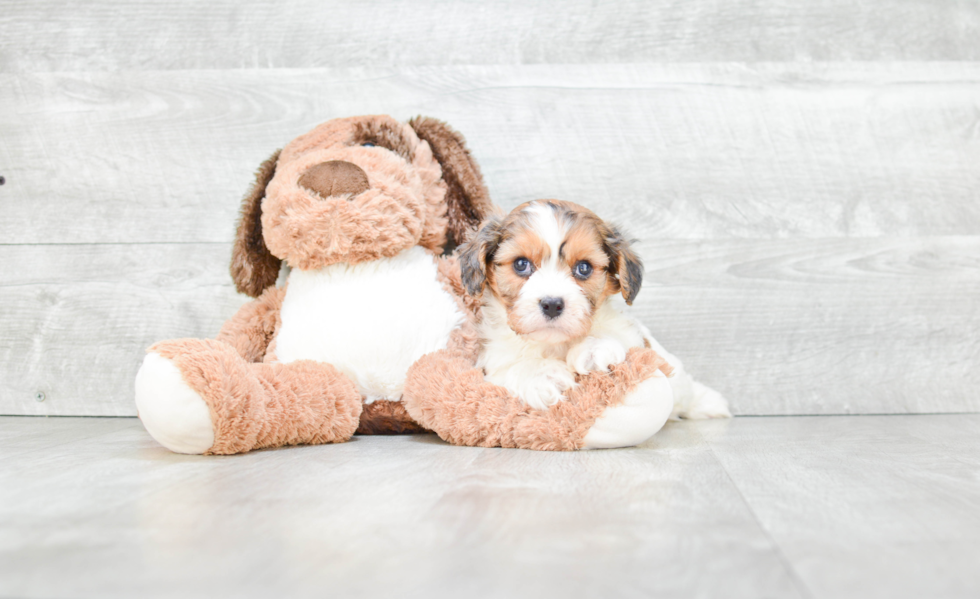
x=552 y=307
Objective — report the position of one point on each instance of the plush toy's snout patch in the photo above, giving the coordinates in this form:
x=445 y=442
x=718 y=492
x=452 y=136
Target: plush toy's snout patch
x=336 y=177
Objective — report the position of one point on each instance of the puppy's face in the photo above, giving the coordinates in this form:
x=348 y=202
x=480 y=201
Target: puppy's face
x=551 y=264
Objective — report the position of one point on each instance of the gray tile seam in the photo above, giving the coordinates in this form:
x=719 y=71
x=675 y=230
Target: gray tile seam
x=794 y=576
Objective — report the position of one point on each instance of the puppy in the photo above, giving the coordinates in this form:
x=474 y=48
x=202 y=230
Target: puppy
x=555 y=281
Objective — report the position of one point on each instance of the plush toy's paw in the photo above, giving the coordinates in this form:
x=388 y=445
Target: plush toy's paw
x=547 y=387
x=173 y=413
x=704 y=403
x=595 y=353
x=643 y=412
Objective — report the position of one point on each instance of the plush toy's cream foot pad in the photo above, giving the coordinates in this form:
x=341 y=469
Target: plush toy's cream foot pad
x=170 y=410
x=643 y=412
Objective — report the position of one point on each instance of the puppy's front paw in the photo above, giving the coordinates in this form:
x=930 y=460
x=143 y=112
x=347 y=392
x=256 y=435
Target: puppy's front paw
x=595 y=353
x=547 y=387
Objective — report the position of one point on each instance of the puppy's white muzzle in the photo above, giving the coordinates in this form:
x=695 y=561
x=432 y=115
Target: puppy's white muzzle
x=537 y=310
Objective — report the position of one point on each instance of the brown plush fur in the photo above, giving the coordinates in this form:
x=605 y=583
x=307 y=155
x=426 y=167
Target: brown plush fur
x=311 y=215
x=467 y=197
x=253 y=267
x=335 y=177
x=325 y=198
x=251 y=331
x=404 y=206
x=451 y=277
x=464 y=342
x=387 y=418
x=385 y=132
x=254 y=406
x=447 y=395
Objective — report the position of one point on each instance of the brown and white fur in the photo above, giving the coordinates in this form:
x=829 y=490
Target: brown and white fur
x=555 y=281
x=372 y=330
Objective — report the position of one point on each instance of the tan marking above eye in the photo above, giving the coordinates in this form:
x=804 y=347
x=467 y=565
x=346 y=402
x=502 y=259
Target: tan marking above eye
x=583 y=243
x=523 y=244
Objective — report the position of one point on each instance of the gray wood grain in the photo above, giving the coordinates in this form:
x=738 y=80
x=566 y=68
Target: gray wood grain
x=77 y=319
x=683 y=151
x=119 y=516
x=884 y=325
x=864 y=507
x=43 y=35
x=753 y=507
x=856 y=326
x=32 y=435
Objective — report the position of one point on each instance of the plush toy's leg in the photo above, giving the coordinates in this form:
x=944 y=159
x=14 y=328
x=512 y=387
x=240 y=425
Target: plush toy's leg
x=201 y=396
x=173 y=413
x=644 y=411
x=626 y=406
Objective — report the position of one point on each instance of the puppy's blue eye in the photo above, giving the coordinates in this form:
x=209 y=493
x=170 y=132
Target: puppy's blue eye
x=368 y=145
x=522 y=266
x=583 y=270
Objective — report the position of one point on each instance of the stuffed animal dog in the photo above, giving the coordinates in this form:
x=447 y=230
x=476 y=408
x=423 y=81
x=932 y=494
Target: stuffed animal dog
x=359 y=209
x=555 y=279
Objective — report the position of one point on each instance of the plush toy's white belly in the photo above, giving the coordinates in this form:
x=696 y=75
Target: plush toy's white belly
x=371 y=321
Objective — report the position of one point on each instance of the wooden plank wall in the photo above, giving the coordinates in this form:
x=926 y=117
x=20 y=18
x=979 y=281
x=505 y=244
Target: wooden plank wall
x=804 y=176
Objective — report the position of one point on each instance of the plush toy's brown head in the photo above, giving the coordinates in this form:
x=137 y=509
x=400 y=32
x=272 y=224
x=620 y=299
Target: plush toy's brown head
x=354 y=190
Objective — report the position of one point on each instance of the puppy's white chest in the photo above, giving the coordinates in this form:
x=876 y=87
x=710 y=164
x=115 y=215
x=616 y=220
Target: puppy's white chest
x=371 y=321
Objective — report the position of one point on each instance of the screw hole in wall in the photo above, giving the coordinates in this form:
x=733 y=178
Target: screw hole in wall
x=2 y=179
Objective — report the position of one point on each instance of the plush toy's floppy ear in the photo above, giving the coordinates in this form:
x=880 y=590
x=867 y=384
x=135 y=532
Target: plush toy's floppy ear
x=624 y=262
x=253 y=267
x=476 y=254
x=467 y=197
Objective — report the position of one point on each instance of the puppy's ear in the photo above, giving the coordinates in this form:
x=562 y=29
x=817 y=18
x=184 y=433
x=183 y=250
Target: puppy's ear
x=477 y=253
x=467 y=197
x=253 y=267
x=624 y=262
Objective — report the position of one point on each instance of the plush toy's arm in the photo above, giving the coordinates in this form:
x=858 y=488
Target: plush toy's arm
x=446 y=394
x=251 y=329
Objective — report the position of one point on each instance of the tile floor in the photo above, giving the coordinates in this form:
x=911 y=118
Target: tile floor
x=854 y=506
